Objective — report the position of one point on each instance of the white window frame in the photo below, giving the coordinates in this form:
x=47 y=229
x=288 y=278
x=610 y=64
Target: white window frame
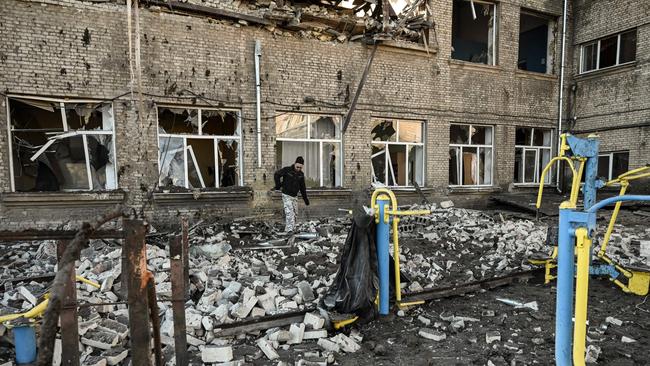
x=407 y=145
x=538 y=150
x=308 y=139
x=494 y=32
x=83 y=133
x=478 y=148
x=216 y=138
x=597 y=43
x=610 y=156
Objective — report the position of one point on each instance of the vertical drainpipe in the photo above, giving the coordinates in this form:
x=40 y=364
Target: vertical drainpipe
x=561 y=91
x=258 y=96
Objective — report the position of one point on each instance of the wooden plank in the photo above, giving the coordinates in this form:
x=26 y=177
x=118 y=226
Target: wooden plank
x=29 y=235
x=364 y=77
x=266 y=322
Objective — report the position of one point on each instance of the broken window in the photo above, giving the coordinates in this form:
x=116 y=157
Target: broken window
x=397 y=154
x=474 y=32
x=198 y=147
x=532 y=154
x=470 y=155
x=61 y=146
x=609 y=51
x=613 y=164
x=317 y=139
x=536 y=35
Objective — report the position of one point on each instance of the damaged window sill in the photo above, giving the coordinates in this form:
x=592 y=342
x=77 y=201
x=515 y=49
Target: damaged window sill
x=409 y=47
x=474 y=189
x=535 y=75
x=319 y=193
x=237 y=195
x=466 y=65
x=27 y=199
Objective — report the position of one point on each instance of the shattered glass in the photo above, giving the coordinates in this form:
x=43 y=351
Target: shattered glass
x=459 y=134
x=331 y=165
x=416 y=165
x=229 y=163
x=102 y=164
x=179 y=121
x=383 y=130
x=89 y=116
x=326 y=128
x=379 y=163
x=291 y=126
x=203 y=150
x=172 y=162
x=397 y=165
x=454 y=166
x=485 y=166
x=219 y=123
x=529 y=165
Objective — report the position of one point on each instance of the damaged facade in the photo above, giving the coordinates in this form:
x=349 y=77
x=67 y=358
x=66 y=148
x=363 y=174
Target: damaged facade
x=459 y=98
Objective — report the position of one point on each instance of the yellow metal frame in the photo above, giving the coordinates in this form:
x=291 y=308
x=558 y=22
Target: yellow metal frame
x=38 y=310
x=583 y=252
x=388 y=195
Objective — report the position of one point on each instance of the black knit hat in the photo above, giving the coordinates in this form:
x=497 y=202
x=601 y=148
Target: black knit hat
x=300 y=160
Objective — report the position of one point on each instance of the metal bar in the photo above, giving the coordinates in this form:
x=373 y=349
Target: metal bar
x=267 y=322
x=68 y=317
x=582 y=292
x=348 y=116
x=185 y=254
x=564 y=302
x=136 y=280
x=615 y=199
x=178 y=297
x=155 y=319
x=383 y=262
x=29 y=235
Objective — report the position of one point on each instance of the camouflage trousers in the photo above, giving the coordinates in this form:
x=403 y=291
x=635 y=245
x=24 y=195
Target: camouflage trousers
x=290 y=211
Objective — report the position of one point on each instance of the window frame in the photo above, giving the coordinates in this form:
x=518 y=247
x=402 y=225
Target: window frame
x=216 y=139
x=386 y=152
x=538 y=150
x=551 y=24
x=610 y=156
x=84 y=134
x=494 y=33
x=618 y=52
x=308 y=139
x=477 y=146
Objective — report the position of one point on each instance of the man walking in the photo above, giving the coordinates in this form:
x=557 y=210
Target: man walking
x=291 y=179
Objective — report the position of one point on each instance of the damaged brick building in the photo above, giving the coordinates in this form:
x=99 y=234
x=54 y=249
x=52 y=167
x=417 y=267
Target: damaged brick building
x=158 y=105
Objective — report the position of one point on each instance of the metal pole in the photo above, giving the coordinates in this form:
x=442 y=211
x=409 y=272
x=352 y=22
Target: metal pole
x=185 y=254
x=582 y=292
x=178 y=300
x=258 y=96
x=591 y=172
x=560 y=100
x=564 y=302
x=68 y=317
x=136 y=280
x=383 y=258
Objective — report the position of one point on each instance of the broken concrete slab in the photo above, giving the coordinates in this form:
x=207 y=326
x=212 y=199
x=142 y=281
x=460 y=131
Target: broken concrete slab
x=100 y=339
x=328 y=345
x=431 y=334
x=213 y=354
x=314 y=321
x=268 y=349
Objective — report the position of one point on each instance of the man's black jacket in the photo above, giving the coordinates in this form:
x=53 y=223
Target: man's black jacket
x=291 y=181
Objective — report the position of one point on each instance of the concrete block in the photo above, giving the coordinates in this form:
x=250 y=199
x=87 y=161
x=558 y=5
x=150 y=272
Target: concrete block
x=100 y=339
x=268 y=349
x=328 y=345
x=314 y=321
x=431 y=334
x=212 y=354
x=492 y=336
x=297 y=331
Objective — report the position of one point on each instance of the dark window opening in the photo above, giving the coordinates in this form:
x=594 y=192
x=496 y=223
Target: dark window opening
x=627 y=52
x=473 y=32
x=607 y=52
x=533 y=43
x=179 y=121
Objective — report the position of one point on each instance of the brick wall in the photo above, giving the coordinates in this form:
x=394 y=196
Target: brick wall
x=186 y=55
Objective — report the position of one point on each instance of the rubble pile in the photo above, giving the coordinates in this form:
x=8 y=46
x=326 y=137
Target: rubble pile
x=245 y=270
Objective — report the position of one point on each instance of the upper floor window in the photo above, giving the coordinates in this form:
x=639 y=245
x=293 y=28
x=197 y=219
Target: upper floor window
x=470 y=155
x=473 y=34
x=535 y=39
x=532 y=154
x=61 y=145
x=317 y=139
x=397 y=152
x=613 y=164
x=199 y=147
x=608 y=52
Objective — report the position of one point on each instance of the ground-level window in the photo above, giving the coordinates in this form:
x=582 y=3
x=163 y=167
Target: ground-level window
x=317 y=138
x=610 y=51
x=532 y=153
x=199 y=147
x=470 y=155
x=398 y=152
x=473 y=34
x=536 y=34
x=61 y=145
x=613 y=164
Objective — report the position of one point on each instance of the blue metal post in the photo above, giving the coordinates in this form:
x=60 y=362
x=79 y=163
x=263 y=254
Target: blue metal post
x=25 y=343
x=591 y=172
x=564 y=302
x=383 y=259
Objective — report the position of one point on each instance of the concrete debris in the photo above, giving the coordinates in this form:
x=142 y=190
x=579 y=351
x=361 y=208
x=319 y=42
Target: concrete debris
x=519 y=305
x=314 y=321
x=431 y=334
x=346 y=343
x=612 y=320
x=492 y=336
x=268 y=349
x=328 y=345
x=212 y=354
x=593 y=352
x=625 y=339
x=100 y=339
